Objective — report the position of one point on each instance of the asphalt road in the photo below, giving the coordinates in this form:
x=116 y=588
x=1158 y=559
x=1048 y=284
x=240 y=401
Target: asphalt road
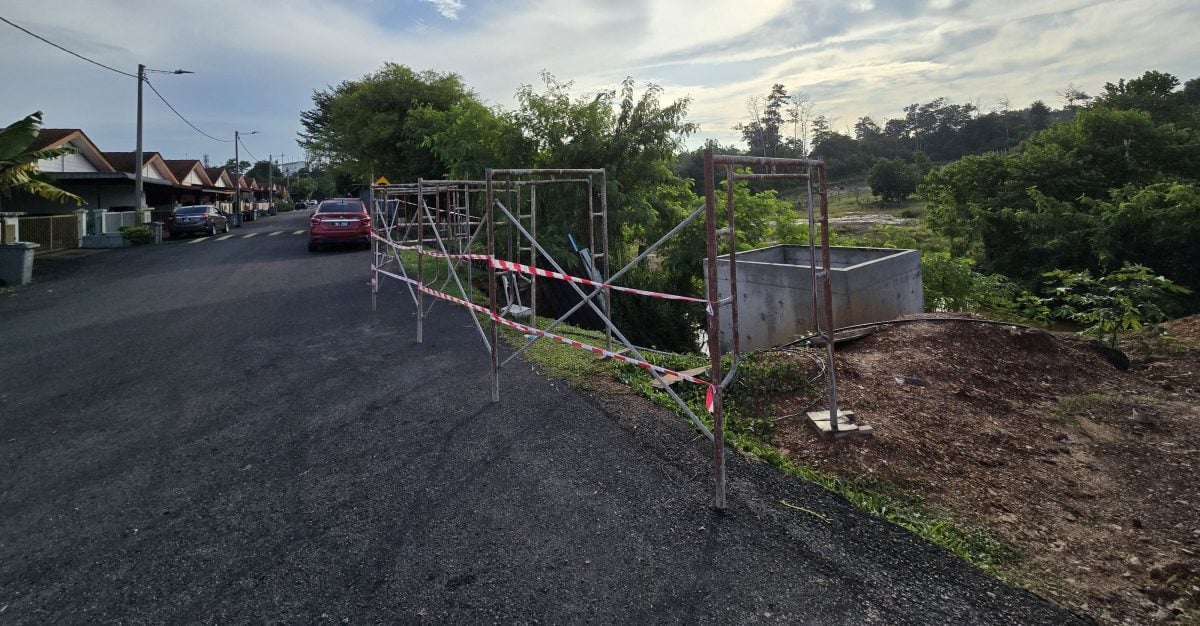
x=223 y=431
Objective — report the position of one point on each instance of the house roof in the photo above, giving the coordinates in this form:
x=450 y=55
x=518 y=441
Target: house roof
x=180 y=168
x=125 y=162
x=217 y=173
x=53 y=137
x=56 y=137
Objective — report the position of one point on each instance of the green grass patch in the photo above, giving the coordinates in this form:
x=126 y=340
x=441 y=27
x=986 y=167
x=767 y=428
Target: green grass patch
x=1069 y=409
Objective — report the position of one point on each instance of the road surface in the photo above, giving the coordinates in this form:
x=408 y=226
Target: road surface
x=221 y=430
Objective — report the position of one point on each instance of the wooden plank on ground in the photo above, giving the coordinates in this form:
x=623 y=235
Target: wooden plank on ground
x=671 y=379
x=846 y=428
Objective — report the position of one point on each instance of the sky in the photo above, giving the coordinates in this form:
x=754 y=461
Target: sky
x=257 y=64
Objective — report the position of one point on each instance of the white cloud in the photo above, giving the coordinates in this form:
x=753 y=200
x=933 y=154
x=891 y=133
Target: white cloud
x=449 y=9
x=257 y=63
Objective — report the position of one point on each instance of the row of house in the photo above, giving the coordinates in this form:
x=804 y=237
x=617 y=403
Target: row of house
x=106 y=182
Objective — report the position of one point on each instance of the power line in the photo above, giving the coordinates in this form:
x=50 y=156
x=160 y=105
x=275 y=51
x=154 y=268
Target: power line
x=36 y=36
x=247 y=149
x=185 y=120
x=76 y=54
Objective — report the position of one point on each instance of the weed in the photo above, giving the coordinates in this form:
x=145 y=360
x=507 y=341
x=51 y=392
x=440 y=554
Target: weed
x=1069 y=409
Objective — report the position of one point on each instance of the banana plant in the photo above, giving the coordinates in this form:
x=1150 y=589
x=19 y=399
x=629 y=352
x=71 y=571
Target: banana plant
x=19 y=165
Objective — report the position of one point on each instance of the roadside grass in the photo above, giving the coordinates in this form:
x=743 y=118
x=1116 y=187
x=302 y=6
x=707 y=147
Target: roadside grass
x=750 y=426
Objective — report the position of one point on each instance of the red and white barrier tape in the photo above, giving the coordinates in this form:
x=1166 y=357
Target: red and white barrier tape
x=527 y=269
x=529 y=330
x=421 y=250
x=501 y=264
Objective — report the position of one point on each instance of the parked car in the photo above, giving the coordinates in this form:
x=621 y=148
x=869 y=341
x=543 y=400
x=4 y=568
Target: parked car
x=339 y=220
x=300 y=205
x=312 y=204
x=202 y=219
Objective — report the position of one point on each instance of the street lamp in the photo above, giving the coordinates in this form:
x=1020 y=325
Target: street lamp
x=237 y=167
x=139 y=200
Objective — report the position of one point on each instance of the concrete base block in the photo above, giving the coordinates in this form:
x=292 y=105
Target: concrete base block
x=105 y=241
x=16 y=263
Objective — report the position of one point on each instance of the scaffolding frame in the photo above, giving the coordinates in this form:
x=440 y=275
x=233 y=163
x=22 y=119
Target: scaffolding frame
x=445 y=207
x=812 y=172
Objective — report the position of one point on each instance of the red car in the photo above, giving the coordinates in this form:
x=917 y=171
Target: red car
x=340 y=220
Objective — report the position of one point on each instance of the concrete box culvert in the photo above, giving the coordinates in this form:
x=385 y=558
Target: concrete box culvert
x=775 y=291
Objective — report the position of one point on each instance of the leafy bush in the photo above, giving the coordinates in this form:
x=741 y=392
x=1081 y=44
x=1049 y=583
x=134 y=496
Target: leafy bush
x=1123 y=300
x=951 y=285
x=136 y=235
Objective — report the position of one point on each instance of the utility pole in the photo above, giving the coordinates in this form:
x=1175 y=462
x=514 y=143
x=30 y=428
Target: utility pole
x=137 y=160
x=237 y=167
x=270 y=184
x=138 y=197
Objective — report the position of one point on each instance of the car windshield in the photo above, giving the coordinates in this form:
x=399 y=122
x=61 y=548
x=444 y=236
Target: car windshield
x=191 y=210
x=340 y=207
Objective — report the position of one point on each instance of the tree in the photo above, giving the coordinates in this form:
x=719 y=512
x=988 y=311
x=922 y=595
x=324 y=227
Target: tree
x=960 y=194
x=1158 y=224
x=865 y=129
x=302 y=188
x=469 y=137
x=764 y=133
x=800 y=113
x=690 y=165
x=1073 y=97
x=19 y=165
x=1152 y=92
x=261 y=172
x=361 y=126
x=1039 y=115
x=893 y=179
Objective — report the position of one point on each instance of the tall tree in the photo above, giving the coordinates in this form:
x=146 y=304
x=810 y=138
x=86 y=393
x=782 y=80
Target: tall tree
x=764 y=132
x=361 y=125
x=1039 y=115
x=1152 y=92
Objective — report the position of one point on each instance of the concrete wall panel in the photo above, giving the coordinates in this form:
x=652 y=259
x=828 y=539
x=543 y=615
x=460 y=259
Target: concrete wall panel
x=775 y=297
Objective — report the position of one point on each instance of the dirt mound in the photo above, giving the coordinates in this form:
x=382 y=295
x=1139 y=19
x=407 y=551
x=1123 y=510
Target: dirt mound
x=1092 y=472
x=1187 y=328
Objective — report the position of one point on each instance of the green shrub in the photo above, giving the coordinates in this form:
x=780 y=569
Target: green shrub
x=951 y=285
x=136 y=235
x=1123 y=300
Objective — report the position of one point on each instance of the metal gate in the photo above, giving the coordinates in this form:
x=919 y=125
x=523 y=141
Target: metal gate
x=51 y=232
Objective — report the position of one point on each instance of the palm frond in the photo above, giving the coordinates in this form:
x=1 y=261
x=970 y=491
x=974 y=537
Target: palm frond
x=54 y=194
x=17 y=138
